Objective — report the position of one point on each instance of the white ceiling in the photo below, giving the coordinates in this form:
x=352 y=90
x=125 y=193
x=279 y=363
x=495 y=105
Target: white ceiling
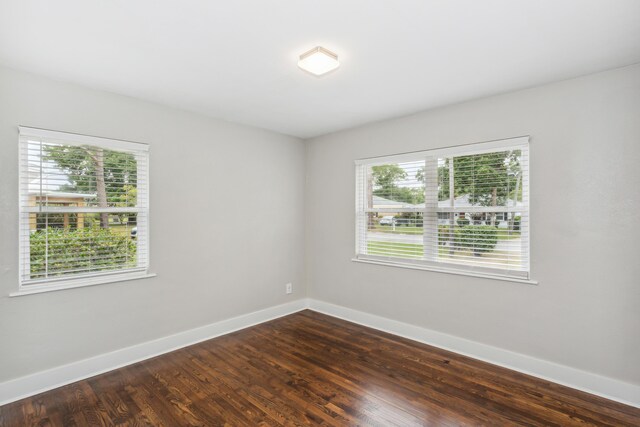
x=236 y=59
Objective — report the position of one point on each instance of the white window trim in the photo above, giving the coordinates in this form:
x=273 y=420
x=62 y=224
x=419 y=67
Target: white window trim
x=81 y=282
x=445 y=270
x=456 y=150
x=79 y=139
x=450 y=268
x=30 y=287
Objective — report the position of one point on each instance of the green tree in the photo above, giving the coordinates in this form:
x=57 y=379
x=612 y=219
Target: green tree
x=386 y=176
x=443 y=180
x=112 y=175
x=387 y=180
x=487 y=179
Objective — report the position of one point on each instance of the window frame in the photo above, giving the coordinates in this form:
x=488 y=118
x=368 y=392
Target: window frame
x=431 y=211
x=28 y=286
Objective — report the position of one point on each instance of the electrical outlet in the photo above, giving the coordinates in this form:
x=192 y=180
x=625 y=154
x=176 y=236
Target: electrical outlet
x=289 y=288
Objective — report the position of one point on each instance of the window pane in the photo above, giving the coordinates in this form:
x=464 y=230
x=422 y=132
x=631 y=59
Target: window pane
x=395 y=235
x=79 y=245
x=477 y=242
x=490 y=179
x=81 y=176
x=396 y=185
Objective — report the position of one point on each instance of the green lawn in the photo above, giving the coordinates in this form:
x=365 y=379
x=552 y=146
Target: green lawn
x=416 y=251
x=400 y=229
x=122 y=229
x=404 y=250
x=503 y=235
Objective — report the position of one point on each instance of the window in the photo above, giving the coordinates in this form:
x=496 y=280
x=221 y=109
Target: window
x=461 y=209
x=84 y=208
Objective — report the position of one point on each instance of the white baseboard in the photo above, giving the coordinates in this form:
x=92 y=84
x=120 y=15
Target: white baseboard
x=609 y=388
x=39 y=382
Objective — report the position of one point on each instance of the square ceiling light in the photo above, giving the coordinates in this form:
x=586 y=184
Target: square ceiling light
x=318 y=61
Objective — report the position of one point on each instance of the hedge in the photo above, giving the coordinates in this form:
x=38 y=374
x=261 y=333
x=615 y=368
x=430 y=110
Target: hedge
x=462 y=221
x=80 y=250
x=478 y=238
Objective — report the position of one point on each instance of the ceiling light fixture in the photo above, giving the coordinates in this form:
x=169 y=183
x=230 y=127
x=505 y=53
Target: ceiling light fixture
x=318 y=61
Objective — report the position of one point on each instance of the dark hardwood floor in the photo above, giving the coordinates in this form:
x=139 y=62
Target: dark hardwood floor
x=311 y=369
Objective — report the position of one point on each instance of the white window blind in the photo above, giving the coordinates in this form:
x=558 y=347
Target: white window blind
x=84 y=208
x=458 y=209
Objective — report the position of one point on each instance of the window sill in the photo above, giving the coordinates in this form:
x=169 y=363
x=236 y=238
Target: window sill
x=447 y=271
x=79 y=283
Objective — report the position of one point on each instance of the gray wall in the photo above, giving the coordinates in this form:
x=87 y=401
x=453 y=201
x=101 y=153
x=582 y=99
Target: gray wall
x=227 y=226
x=585 y=222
